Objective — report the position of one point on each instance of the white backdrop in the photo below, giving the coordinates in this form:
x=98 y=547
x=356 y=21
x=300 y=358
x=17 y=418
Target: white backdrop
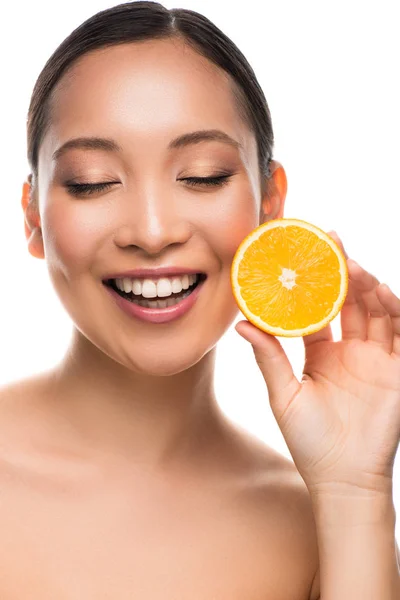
x=330 y=74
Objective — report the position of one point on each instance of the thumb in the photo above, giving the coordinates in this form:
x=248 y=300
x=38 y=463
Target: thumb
x=274 y=365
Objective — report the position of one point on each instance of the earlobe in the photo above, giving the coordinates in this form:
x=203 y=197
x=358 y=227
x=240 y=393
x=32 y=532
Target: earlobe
x=32 y=225
x=273 y=202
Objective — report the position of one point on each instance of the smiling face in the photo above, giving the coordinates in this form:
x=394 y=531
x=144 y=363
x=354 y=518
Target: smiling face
x=143 y=99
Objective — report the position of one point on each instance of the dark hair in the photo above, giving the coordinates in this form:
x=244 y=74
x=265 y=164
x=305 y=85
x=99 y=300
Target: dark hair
x=138 y=21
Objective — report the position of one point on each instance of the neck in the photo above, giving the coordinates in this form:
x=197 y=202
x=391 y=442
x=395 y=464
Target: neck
x=108 y=409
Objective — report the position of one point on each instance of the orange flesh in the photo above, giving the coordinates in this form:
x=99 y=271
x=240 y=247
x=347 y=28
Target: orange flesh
x=317 y=281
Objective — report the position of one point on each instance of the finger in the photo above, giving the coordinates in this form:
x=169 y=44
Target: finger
x=391 y=303
x=338 y=241
x=323 y=335
x=274 y=365
x=354 y=315
x=379 y=324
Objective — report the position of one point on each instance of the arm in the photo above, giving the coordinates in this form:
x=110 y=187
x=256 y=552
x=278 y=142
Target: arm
x=341 y=425
x=358 y=554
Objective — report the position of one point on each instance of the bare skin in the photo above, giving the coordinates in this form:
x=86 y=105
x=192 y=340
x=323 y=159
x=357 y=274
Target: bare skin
x=230 y=523
x=119 y=475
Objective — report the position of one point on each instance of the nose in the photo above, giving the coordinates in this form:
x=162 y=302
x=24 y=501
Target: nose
x=151 y=221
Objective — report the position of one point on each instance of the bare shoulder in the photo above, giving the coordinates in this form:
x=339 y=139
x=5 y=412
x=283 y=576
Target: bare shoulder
x=12 y=395
x=22 y=388
x=27 y=389
x=278 y=506
x=19 y=406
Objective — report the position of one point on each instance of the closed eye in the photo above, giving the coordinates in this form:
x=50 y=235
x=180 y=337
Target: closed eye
x=85 y=189
x=207 y=181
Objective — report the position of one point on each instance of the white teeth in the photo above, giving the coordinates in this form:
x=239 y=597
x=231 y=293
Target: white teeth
x=153 y=288
x=176 y=285
x=149 y=289
x=136 y=287
x=127 y=285
x=159 y=303
x=185 y=282
x=164 y=288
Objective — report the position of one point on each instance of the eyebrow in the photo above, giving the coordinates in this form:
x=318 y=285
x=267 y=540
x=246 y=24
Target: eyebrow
x=87 y=143
x=204 y=135
x=109 y=145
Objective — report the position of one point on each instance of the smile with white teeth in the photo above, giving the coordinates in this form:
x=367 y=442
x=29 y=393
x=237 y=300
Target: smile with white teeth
x=168 y=288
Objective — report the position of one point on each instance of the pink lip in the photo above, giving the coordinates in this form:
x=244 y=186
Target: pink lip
x=156 y=315
x=155 y=273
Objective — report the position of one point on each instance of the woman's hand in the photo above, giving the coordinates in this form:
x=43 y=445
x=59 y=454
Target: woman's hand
x=341 y=423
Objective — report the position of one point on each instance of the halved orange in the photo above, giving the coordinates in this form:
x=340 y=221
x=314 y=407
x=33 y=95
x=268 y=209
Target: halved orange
x=289 y=277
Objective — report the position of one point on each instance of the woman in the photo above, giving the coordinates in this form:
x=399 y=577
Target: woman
x=150 y=144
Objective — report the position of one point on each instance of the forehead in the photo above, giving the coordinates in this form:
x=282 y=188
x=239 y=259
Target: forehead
x=150 y=90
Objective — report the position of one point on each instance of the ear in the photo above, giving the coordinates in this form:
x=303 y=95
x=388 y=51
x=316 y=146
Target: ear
x=33 y=231
x=273 y=200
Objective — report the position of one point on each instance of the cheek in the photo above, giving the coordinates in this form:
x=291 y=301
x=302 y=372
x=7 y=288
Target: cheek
x=228 y=227
x=231 y=223
x=72 y=234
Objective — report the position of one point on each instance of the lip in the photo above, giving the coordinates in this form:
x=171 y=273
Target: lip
x=155 y=273
x=157 y=315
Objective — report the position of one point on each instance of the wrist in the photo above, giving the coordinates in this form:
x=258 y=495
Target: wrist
x=343 y=508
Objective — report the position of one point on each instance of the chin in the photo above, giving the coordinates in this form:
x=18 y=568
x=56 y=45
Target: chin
x=164 y=364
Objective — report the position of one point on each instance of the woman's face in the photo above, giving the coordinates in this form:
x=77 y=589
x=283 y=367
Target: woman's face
x=142 y=97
